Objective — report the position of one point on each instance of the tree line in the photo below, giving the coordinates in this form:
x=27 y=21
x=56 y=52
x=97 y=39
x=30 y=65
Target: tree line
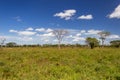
x=60 y=34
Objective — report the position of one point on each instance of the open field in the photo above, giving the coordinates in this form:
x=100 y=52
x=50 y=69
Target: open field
x=65 y=64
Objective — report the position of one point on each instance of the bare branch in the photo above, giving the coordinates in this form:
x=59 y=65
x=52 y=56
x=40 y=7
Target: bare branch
x=59 y=34
x=103 y=36
x=2 y=40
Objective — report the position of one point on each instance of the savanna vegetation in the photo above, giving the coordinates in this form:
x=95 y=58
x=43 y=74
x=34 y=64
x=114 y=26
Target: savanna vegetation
x=37 y=63
x=91 y=61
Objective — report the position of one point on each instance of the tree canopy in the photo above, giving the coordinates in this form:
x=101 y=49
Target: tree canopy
x=115 y=43
x=11 y=44
x=92 y=42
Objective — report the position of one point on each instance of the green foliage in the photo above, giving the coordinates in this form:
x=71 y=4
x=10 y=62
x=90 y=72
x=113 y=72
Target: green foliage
x=92 y=42
x=36 y=63
x=115 y=43
x=11 y=44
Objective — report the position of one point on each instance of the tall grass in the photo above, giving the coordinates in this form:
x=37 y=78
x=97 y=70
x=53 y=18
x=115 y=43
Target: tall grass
x=65 y=64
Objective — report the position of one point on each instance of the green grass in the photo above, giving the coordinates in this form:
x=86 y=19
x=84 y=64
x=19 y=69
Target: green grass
x=65 y=64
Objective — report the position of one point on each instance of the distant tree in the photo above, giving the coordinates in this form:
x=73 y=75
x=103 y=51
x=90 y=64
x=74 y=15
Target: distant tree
x=59 y=34
x=92 y=42
x=115 y=43
x=103 y=35
x=11 y=44
x=2 y=41
x=78 y=45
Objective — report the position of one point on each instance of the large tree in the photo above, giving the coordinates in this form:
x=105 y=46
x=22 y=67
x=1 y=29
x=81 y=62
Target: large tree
x=11 y=44
x=59 y=34
x=115 y=43
x=92 y=42
x=103 y=35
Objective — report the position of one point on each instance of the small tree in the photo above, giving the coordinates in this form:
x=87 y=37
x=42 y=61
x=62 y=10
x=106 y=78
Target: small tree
x=2 y=41
x=115 y=43
x=59 y=34
x=92 y=42
x=103 y=36
x=11 y=44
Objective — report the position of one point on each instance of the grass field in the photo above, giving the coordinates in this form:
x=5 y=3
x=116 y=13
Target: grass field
x=65 y=64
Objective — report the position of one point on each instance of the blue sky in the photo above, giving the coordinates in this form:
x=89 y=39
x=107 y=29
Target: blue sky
x=26 y=21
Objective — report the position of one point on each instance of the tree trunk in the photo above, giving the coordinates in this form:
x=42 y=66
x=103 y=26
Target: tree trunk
x=102 y=43
x=59 y=45
x=92 y=45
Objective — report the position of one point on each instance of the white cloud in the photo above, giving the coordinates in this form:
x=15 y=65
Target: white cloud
x=26 y=33
x=49 y=30
x=23 y=33
x=70 y=36
x=25 y=38
x=76 y=39
x=20 y=39
x=113 y=36
x=115 y=13
x=82 y=31
x=87 y=17
x=67 y=14
x=46 y=34
x=92 y=32
x=46 y=40
x=40 y=29
x=78 y=34
x=29 y=29
x=15 y=31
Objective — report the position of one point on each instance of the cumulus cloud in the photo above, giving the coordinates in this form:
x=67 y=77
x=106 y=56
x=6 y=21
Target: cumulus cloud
x=19 y=39
x=92 y=32
x=44 y=30
x=83 y=31
x=23 y=33
x=46 y=40
x=25 y=38
x=66 y=14
x=30 y=29
x=49 y=30
x=47 y=34
x=76 y=39
x=40 y=29
x=78 y=34
x=70 y=36
x=26 y=33
x=87 y=17
x=115 y=13
x=15 y=31
x=114 y=36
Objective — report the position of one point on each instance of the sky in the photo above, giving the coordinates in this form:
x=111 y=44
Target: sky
x=31 y=21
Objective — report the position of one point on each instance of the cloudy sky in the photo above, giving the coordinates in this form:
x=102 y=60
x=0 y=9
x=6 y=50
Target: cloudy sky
x=31 y=21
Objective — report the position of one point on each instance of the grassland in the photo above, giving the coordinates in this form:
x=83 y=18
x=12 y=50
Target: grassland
x=65 y=64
